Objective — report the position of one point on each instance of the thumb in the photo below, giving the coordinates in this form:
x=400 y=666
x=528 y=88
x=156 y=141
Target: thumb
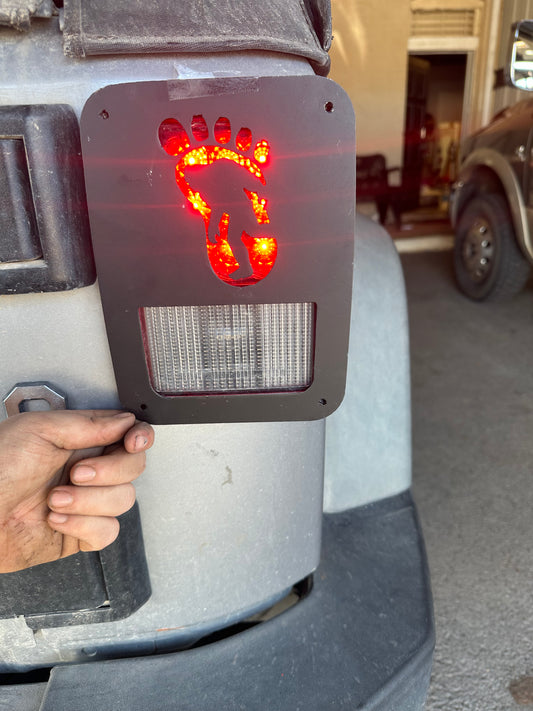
x=78 y=429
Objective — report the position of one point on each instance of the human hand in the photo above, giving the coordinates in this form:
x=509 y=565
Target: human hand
x=57 y=499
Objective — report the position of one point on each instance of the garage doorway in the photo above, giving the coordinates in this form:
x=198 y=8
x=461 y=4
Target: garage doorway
x=435 y=97
x=443 y=117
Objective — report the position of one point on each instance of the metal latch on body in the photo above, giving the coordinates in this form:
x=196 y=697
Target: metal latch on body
x=27 y=392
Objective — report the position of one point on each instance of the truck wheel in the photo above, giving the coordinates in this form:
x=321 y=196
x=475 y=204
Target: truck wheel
x=489 y=265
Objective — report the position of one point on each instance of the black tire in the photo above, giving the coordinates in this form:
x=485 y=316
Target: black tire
x=489 y=265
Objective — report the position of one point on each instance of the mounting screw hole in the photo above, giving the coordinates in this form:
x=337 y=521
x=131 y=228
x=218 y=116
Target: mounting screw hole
x=104 y=114
x=328 y=107
x=144 y=407
x=322 y=401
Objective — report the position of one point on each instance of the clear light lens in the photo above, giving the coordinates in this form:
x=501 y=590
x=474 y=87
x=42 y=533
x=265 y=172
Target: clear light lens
x=229 y=348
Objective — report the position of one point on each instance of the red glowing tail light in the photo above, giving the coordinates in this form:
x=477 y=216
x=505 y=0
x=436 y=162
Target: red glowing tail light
x=199 y=128
x=244 y=139
x=222 y=130
x=262 y=249
x=173 y=137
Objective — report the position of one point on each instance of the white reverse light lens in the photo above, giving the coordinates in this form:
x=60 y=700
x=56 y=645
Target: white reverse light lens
x=229 y=348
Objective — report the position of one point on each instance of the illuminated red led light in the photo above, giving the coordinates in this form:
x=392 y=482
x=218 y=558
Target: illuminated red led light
x=258 y=206
x=261 y=151
x=262 y=252
x=173 y=137
x=244 y=139
x=199 y=128
x=262 y=249
x=222 y=130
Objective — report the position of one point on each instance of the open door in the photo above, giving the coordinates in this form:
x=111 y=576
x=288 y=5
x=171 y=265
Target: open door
x=415 y=123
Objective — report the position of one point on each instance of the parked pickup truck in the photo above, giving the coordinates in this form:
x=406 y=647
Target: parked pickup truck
x=492 y=203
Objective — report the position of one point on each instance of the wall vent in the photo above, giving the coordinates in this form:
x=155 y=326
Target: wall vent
x=453 y=19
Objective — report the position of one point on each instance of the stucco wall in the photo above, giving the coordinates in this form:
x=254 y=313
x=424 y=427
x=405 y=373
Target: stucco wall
x=369 y=60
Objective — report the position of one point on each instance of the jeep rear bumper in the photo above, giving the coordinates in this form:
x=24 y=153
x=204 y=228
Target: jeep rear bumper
x=363 y=638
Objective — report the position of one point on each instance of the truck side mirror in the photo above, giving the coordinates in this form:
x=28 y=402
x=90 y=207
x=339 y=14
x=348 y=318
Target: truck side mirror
x=519 y=66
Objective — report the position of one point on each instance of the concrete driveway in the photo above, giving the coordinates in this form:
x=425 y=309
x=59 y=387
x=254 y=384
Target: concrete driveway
x=472 y=374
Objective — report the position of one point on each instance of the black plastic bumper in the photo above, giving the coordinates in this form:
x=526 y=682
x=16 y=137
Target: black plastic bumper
x=362 y=639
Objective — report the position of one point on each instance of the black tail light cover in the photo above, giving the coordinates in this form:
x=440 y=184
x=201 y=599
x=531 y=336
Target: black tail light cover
x=216 y=198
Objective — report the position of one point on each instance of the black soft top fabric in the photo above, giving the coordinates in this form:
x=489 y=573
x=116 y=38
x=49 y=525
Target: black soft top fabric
x=299 y=27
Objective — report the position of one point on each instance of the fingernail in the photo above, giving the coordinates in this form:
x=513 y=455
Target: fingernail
x=57 y=517
x=123 y=415
x=61 y=498
x=83 y=473
x=140 y=442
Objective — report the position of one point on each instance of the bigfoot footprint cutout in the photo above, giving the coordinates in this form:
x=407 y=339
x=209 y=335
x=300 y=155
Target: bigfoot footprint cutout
x=202 y=157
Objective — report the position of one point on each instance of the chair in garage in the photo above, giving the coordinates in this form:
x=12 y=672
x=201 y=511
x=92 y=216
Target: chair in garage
x=372 y=184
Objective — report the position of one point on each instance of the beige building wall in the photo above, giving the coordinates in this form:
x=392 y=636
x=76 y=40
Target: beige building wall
x=369 y=60
x=371 y=43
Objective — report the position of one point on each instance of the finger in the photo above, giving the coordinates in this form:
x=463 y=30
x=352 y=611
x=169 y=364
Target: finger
x=92 y=501
x=139 y=438
x=79 y=429
x=114 y=467
x=93 y=532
